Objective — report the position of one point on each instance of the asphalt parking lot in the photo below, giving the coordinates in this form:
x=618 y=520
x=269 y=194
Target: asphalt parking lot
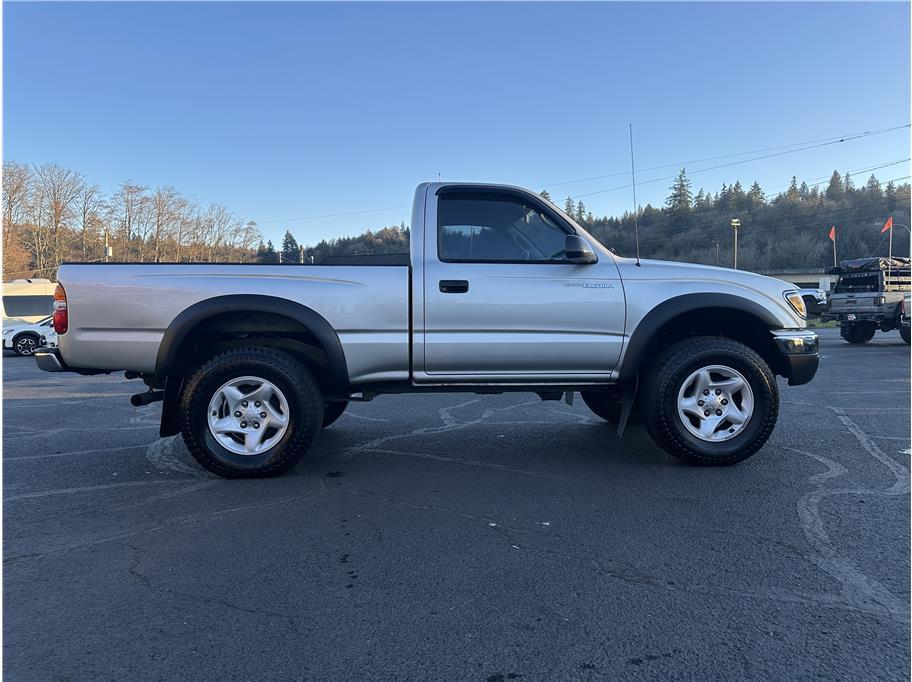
x=460 y=537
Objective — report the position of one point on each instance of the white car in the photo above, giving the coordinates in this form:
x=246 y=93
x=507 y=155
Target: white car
x=24 y=338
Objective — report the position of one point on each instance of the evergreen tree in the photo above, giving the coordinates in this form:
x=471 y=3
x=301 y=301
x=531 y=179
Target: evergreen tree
x=545 y=195
x=269 y=253
x=803 y=190
x=756 y=193
x=681 y=198
x=569 y=207
x=792 y=193
x=290 y=252
x=580 y=212
x=872 y=187
x=890 y=196
x=847 y=184
x=834 y=189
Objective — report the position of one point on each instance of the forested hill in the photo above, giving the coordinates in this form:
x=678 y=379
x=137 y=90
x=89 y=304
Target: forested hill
x=788 y=230
x=785 y=230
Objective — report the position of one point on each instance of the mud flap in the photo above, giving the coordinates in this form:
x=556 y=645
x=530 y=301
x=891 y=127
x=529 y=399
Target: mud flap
x=169 y=425
x=628 y=396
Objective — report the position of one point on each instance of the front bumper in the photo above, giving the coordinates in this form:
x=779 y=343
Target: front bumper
x=800 y=349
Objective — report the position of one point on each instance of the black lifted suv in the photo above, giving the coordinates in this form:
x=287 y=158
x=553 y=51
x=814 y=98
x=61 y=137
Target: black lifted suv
x=868 y=296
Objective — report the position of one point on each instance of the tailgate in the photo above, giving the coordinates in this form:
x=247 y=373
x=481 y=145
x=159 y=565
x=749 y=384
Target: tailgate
x=861 y=302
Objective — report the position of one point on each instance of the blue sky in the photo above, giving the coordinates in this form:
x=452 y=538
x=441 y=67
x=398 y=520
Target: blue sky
x=285 y=111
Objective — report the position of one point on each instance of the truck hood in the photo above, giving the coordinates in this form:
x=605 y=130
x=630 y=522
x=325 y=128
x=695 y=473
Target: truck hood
x=713 y=279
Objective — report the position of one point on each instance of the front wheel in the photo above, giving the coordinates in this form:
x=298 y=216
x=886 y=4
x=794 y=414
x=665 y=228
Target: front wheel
x=710 y=401
x=250 y=412
x=904 y=332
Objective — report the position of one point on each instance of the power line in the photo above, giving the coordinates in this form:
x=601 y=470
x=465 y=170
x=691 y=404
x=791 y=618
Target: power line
x=802 y=146
x=679 y=164
x=735 y=163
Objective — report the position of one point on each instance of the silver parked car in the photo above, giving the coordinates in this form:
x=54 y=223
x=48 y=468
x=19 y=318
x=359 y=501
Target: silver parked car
x=501 y=292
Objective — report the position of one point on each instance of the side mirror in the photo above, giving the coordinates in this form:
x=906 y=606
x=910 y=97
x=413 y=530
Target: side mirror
x=577 y=250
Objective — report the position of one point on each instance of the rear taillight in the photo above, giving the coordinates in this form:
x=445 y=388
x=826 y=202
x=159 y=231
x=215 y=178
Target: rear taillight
x=61 y=318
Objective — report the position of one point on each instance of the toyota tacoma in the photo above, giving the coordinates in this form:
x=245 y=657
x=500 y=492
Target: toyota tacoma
x=501 y=292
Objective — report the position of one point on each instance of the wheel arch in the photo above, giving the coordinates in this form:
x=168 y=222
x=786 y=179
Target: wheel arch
x=320 y=346
x=700 y=314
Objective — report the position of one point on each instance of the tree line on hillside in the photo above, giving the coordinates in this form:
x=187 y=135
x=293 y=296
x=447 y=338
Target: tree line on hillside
x=386 y=240
x=788 y=230
x=52 y=214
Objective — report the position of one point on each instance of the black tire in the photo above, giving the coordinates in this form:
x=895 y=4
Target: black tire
x=332 y=410
x=857 y=332
x=659 y=400
x=608 y=407
x=25 y=344
x=811 y=306
x=291 y=377
x=904 y=332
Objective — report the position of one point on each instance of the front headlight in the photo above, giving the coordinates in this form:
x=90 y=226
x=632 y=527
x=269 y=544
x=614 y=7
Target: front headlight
x=794 y=299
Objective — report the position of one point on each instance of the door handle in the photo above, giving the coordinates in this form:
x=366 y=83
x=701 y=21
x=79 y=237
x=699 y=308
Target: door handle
x=454 y=286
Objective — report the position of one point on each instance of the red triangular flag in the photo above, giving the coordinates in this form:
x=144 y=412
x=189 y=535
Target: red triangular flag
x=887 y=225
x=833 y=233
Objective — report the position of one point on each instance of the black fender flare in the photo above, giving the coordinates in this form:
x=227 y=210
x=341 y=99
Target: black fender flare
x=656 y=318
x=169 y=349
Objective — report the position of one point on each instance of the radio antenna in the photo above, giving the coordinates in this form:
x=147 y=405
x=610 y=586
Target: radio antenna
x=636 y=222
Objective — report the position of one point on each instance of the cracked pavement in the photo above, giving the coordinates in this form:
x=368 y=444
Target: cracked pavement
x=460 y=537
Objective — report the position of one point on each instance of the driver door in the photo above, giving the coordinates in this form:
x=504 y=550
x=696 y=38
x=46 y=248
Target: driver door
x=501 y=302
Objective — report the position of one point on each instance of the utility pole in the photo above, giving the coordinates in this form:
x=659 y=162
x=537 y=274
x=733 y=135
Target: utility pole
x=910 y=235
x=736 y=223
x=716 y=244
x=108 y=250
x=301 y=254
x=280 y=257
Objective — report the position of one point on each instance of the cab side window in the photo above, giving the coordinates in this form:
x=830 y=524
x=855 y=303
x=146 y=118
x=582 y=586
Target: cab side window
x=493 y=228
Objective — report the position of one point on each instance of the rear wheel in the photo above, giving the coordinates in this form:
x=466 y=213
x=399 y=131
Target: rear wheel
x=904 y=332
x=710 y=401
x=25 y=344
x=250 y=412
x=857 y=332
x=333 y=410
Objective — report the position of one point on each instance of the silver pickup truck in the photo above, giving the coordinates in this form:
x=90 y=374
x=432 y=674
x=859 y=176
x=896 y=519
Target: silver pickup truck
x=502 y=291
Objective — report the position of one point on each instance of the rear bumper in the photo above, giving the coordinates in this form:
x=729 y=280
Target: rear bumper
x=800 y=349
x=50 y=360
x=855 y=317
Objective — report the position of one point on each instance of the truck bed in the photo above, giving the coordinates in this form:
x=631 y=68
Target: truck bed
x=123 y=309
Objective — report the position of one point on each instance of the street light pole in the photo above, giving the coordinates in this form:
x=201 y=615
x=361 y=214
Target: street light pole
x=736 y=223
